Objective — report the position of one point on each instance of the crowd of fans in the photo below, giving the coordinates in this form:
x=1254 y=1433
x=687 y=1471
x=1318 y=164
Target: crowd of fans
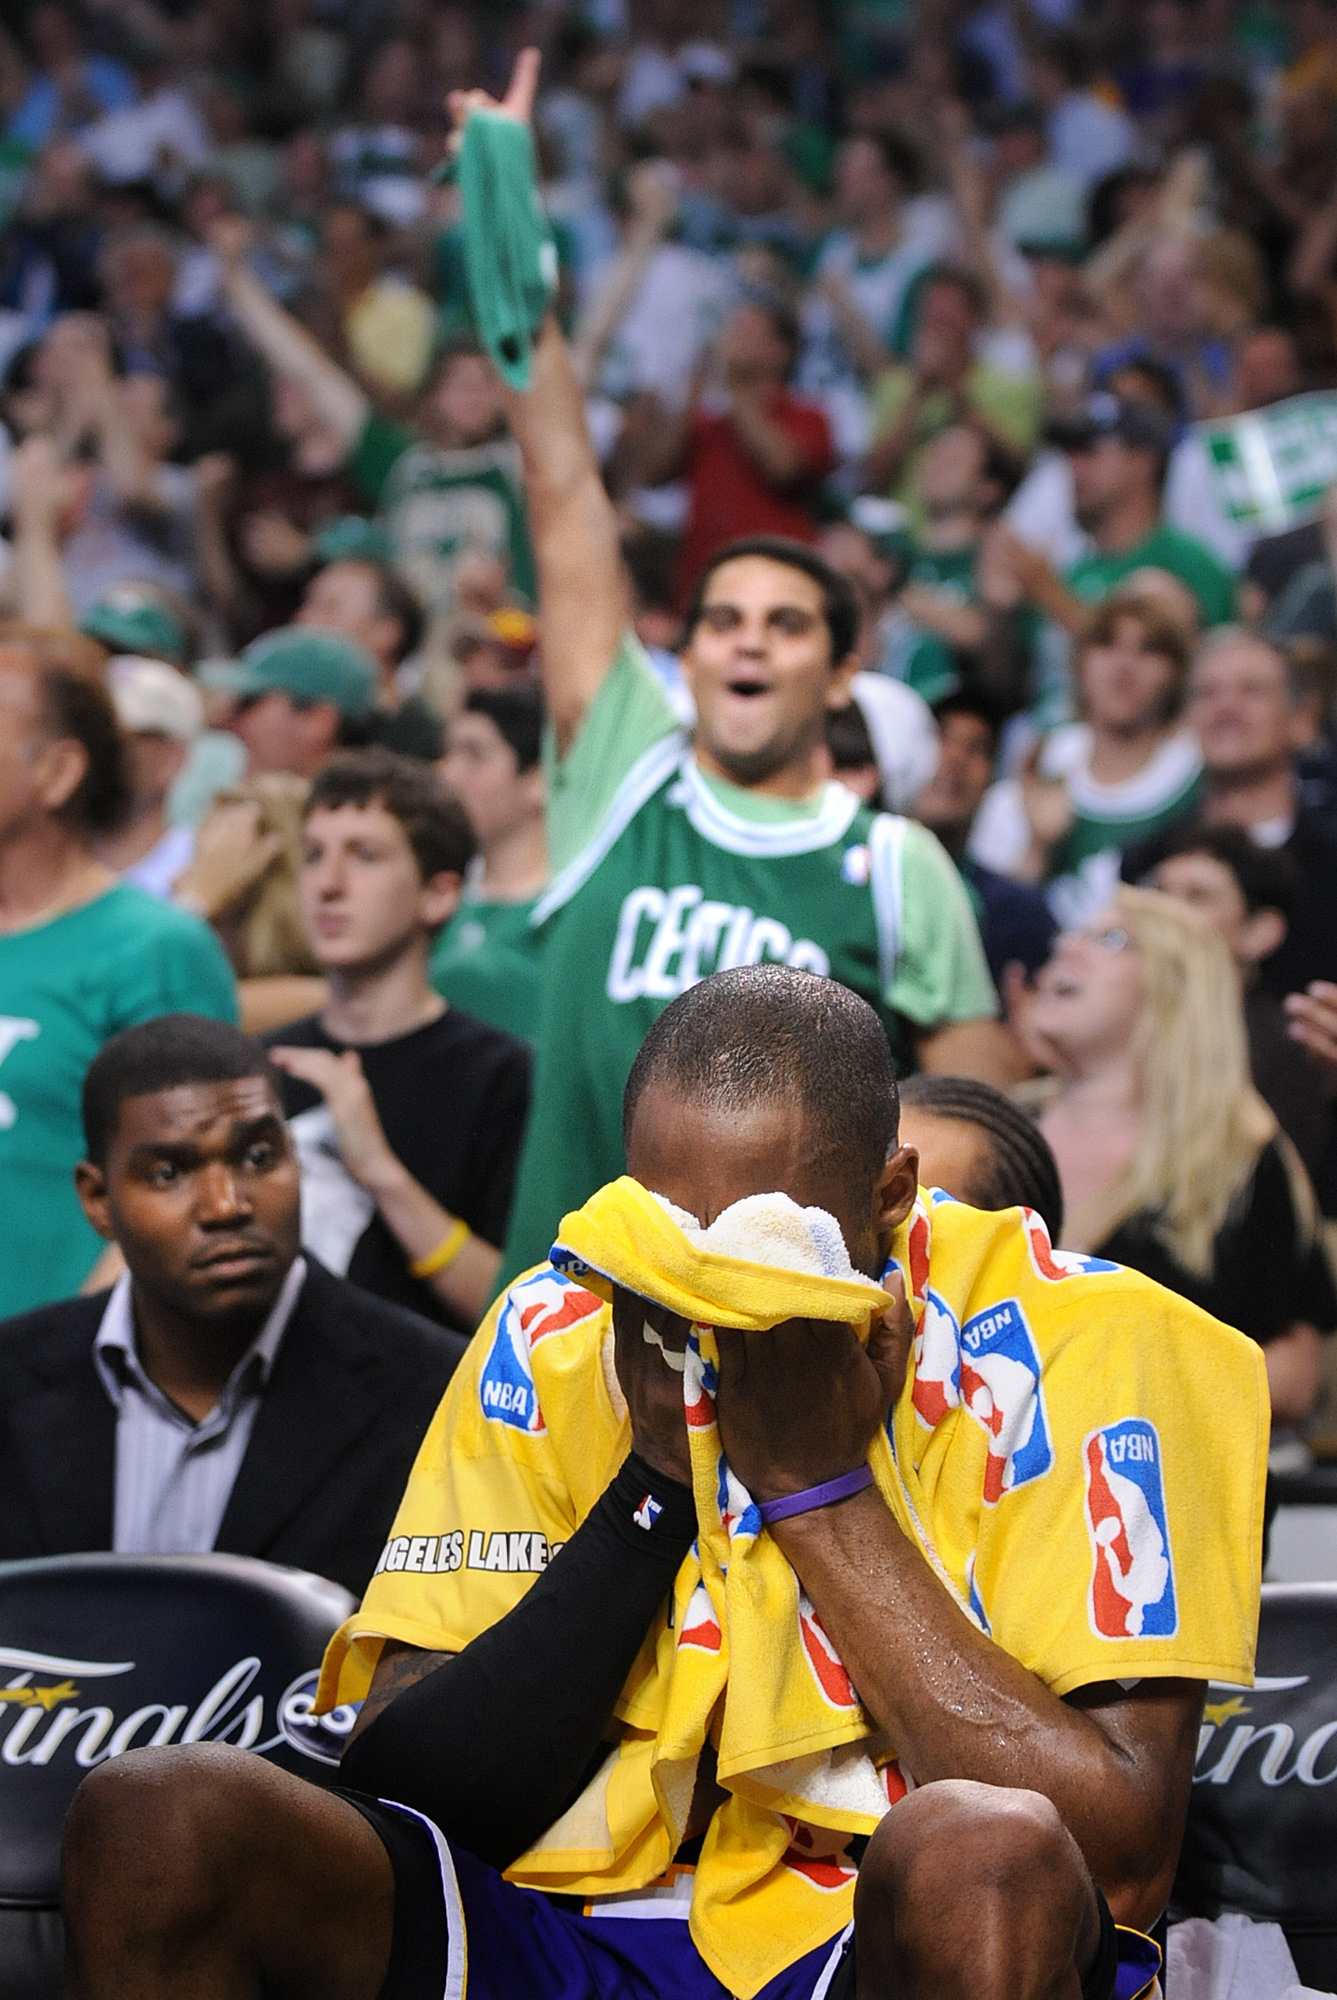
x=1019 y=320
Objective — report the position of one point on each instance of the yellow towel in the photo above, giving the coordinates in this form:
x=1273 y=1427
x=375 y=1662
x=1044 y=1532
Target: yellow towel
x=626 y=1235
x=1078 y=1453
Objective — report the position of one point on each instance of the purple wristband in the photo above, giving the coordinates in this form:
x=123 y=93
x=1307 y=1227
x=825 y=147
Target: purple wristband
x=813 y=1497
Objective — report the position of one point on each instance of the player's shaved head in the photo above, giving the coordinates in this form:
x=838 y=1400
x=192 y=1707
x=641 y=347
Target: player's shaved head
x=765 y=1037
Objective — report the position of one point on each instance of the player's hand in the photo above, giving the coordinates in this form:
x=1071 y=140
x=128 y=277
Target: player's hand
x=518 y=103
x=650 y=1345
x=343 y=1085
x=801 y=1404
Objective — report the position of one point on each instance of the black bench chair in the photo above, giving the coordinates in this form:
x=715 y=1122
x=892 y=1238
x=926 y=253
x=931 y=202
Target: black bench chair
x=100 y=1654
x=1262 y=1823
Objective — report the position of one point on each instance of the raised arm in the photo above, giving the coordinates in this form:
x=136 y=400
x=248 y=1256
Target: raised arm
x=653 y=189
x=284 y=342
x=583 y=599
x=37 y=576
x=582 y=590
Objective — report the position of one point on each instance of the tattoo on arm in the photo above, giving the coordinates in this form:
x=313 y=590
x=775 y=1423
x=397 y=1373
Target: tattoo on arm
x=398 y=1668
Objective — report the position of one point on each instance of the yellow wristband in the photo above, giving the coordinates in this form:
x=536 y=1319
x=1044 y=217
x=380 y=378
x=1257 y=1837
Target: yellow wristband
x=445 y=1253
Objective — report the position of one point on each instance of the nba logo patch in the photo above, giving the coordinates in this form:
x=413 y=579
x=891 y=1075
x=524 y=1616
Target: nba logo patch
x=1132 y=1576
x=536 y=1308
x=856 y=866
x=1000 y=1386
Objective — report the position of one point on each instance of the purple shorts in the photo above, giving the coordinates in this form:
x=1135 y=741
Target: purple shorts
x=461 y=1929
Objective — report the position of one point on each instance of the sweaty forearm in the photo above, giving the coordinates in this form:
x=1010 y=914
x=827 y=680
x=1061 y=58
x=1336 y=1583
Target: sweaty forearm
x=496 y=1744
x=957 y=1706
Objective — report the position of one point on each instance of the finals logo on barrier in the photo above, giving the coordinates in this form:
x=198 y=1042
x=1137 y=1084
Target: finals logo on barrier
x=103 y=1655
x=59 y=1710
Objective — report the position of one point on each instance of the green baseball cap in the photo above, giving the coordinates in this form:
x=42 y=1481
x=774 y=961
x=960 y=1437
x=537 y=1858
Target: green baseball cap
x=349 y=537
x=130 y=622
x=308 y=663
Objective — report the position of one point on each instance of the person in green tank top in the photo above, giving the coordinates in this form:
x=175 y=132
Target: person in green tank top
x=673 y=859
x=82 y=955
x=488 y=957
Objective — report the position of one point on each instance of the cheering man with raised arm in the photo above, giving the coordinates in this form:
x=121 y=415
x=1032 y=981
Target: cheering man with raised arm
x=673 y=858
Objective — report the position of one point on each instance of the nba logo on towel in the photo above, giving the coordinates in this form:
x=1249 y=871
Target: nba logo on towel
x=533 y=1310
x=1132 y=1578
x=700 y=1627
x=1055 y=1265
x=1000 y=1386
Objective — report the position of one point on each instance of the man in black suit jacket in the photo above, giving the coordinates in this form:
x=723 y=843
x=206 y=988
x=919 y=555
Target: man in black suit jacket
x=227 y=1393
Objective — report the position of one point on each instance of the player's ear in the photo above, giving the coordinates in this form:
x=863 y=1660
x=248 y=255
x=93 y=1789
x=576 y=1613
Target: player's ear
x=895 y=1191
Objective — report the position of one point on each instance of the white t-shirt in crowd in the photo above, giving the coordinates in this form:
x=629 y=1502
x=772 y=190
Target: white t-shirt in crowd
x=129 y=145
x=156 y=871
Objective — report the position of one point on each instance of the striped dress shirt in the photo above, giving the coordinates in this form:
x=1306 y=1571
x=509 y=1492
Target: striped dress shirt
x=174 y=1476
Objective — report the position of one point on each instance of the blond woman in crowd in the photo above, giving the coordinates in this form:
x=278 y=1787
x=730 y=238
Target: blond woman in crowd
x=1169 y=1160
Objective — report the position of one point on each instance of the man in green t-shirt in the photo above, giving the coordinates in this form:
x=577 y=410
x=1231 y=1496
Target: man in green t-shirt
x=442 y=489
x=674 y=859
x=81 y=955
x=1118 y=449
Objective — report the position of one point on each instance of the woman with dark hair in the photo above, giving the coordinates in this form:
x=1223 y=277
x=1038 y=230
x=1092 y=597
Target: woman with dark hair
x=978 y=1145
x=82 y=955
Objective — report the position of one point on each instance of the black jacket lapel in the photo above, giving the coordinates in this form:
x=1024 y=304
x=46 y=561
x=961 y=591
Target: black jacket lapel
x=323 y=1393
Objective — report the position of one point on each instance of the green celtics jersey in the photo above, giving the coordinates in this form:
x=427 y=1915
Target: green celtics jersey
x=488 y=960
x=435 y=504
x=664 y=876
x=65 y=988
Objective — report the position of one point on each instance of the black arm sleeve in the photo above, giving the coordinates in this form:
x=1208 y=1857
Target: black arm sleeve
x=497 y=1743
